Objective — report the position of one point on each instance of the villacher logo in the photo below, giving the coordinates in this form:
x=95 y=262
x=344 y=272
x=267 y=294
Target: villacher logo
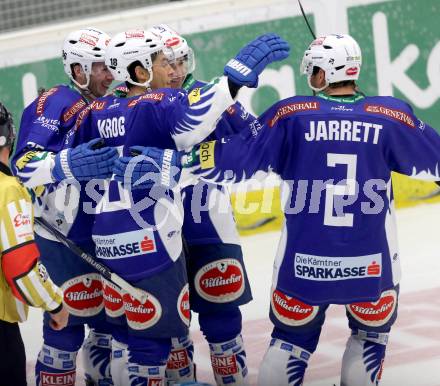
x=221 y=281
x=83 y=295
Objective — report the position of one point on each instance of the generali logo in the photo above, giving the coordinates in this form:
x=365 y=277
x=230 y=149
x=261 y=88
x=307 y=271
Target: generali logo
x=292 y=108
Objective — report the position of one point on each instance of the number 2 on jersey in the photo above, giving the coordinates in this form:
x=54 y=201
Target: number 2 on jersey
x=347 y=189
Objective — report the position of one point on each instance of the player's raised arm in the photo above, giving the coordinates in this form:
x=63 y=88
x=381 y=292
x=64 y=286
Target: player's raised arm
x=243 y=70
x=228 y=160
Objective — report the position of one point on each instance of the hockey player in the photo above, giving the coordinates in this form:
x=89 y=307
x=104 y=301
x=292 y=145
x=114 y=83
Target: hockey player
x=338 y=244
x=24 y=280
x=57 y=176
x=140 y=242
x=213 y=247
x=106 y=118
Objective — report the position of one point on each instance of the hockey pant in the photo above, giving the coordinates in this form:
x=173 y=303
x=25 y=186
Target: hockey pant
x=296 y=335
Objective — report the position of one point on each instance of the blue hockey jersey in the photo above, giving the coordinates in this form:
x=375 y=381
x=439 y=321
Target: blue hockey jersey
x=335 y=157
x=208 y=213
x=44 y=126
x=135 y=235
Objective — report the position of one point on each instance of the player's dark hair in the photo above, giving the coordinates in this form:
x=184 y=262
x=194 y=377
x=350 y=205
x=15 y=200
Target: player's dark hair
x=7 y=129
x=132 y=72
x=342 y=83
x=132 y=69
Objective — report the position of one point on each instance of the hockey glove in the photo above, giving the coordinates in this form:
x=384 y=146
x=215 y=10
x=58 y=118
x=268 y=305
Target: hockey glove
x=253 y=58
x=85 y=162
x=148 y=167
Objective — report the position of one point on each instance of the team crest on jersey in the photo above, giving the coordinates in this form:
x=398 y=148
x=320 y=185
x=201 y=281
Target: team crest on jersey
x=183 y=305
x=114 y=305
x=221 y=281
x=74 y=109
x=83 y=295
x=292 y=108
x=141 y=316
x=375 y=313
x=397 y=115
x=54 y=379
x=42 y=99
x=291 y=311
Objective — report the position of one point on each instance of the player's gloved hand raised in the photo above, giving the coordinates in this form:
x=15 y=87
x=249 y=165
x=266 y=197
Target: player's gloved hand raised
x=85 y=162
x=253 y=58
x=148 y=167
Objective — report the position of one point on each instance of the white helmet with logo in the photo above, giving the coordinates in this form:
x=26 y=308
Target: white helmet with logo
x=85 y=46
x=338 y=55
x=177 y=43
x=133 y=46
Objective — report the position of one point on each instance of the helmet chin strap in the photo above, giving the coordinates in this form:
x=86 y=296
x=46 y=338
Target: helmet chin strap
x=82 y=86
x=317 y=89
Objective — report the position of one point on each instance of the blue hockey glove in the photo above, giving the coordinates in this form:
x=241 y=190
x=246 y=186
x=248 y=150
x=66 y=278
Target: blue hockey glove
x=85 y=162
x=253 y=58
x=148 y=167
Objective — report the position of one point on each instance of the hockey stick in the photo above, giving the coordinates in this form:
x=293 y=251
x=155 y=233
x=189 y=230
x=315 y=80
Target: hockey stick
x=306 y=20
x=101 y=268
x=256 y=224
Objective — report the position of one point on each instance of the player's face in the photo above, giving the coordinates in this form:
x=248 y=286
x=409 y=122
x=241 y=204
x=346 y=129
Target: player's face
x=180 y=71
x=100 y=79
x=163 y=72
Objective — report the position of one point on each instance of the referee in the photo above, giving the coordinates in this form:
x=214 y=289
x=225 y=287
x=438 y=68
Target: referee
x=24 y=281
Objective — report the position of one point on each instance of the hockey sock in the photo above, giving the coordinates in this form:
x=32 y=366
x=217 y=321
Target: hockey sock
x=55 y=367
x=96 y=354
x=363 y=358
x=284 y=364
x=56 y=364
x=119 y=358
x=228 y=361
x=147 y=361
x=180 y=365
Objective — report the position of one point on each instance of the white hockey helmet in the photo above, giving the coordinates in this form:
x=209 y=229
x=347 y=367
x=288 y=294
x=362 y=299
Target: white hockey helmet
x=338 y=55
x=85 y=47
x=131 y=46
x=177 y=43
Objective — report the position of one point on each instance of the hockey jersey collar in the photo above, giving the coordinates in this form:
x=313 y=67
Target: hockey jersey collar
x=188 y=83
x=341 y=98
x=5 y=169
